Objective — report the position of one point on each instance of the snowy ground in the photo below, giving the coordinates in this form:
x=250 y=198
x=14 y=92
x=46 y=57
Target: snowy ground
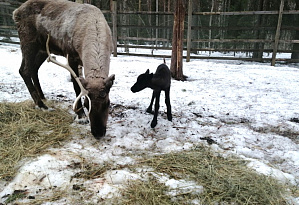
x=248 y=108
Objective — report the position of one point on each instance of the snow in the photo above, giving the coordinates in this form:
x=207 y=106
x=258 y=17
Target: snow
x=39 y=179
x=246 y=107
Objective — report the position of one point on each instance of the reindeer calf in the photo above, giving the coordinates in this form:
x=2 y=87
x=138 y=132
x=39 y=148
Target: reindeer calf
x=158 y=81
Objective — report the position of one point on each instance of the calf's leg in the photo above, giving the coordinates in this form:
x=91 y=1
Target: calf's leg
x=157 y=105
x=149 y=109
x=167 y=102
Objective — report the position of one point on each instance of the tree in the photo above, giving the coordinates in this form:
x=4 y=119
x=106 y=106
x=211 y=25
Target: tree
x=176 y=66
x=125 y=21
x=259 y=33
x=295 y=53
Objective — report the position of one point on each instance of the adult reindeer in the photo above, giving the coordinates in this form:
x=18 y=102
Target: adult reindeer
x=78 y=31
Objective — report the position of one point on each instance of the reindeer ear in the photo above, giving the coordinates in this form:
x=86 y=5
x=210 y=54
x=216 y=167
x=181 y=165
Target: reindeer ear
x=147 y=72
x=109 y=81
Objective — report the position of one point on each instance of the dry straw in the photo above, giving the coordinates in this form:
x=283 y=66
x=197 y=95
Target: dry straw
x=225 y=181
x=28 y=132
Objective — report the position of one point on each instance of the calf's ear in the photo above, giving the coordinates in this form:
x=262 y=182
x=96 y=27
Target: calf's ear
x=147 y=72
x=109 y=81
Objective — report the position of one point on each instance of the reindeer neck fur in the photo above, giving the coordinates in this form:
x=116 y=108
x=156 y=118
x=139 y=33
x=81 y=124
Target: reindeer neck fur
x=89 y=40
x=96 y=49
x=95 y=58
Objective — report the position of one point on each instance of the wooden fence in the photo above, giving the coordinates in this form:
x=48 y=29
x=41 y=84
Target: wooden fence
x=8 y=33
x=134 y=31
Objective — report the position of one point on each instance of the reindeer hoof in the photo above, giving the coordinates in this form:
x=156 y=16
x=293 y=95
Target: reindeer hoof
x=40 y=104
x=51 y=109
x=169 y=117
x=45 y=109
x=82 y=121
x=153 y=124
x=148 y=110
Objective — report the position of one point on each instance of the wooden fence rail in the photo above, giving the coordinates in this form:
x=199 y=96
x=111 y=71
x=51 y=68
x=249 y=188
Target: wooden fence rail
x=157 y=35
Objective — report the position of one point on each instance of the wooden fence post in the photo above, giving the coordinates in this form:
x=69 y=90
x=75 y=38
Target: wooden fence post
x=277 y=35
x=157 y=22
x=189 y=30
x=114 y=26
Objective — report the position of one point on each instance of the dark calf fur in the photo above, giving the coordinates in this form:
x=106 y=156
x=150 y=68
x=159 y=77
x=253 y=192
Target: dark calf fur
x=157 y=81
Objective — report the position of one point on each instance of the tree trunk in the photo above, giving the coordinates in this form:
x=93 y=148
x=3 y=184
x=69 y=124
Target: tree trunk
x=176 y=66
x=295 y=55
x=124 y=21
x=168 y=24
x=113 y=6
x=259 y=34
x=149 y=5
x=210 y=24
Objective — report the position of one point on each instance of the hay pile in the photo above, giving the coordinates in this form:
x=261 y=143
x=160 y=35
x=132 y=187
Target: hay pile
x=225 y=180
x=27 y=132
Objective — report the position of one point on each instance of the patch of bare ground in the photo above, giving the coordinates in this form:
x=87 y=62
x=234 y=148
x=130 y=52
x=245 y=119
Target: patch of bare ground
x=285 y=129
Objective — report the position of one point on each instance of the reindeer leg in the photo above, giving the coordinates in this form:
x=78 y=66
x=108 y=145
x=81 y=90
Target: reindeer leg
x=167 y=102
x=81 y=114
x=26 y=71
x=39 y=59
x=149 y=109
x=157 y=105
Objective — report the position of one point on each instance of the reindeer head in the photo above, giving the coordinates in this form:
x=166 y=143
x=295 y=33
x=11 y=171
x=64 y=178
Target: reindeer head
x=143 y=81
x=98 y=95
x=96 y=91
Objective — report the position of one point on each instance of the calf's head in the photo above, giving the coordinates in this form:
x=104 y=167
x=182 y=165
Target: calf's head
x=98 y=92
x=143 y=81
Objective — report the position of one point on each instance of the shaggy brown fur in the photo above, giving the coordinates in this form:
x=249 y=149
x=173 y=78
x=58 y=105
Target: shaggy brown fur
x=77 y=30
